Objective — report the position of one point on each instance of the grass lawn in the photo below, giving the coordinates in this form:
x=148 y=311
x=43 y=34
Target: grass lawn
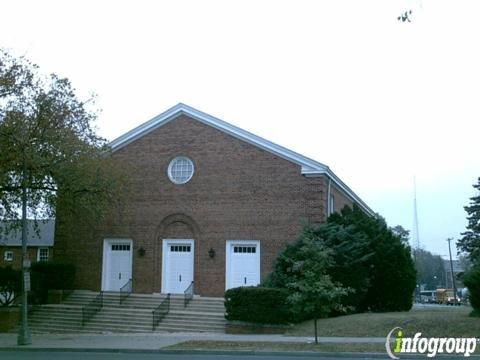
x=276 y=346
x=430 y=321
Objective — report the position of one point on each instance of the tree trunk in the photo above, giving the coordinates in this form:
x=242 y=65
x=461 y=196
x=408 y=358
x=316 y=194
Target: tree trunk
x=316 y=333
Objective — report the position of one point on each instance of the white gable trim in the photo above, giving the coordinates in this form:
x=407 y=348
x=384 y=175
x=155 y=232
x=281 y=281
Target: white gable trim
x=182 y=109
x=308 y=166
x=341 y=185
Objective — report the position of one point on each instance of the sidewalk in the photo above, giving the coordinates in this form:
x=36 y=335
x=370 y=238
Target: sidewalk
x=152 y=341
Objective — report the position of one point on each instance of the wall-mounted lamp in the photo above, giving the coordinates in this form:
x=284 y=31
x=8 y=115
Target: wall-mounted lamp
x=141 y=252
x=211 y=253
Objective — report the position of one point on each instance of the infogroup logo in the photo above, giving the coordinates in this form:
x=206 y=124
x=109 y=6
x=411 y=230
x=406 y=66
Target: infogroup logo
x=430 y=346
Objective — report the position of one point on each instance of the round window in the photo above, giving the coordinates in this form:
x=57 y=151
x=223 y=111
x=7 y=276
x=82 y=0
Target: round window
x=180 y=170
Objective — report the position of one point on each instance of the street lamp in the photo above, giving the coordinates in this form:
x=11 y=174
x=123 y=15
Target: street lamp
x=24 y=337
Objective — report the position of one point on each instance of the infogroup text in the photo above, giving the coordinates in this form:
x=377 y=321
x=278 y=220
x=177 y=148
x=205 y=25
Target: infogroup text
x=431 y=346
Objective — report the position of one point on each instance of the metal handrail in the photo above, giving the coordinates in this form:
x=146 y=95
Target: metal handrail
x=94 y=306
x=160 y=312
x=188 y=294
x=126 y=290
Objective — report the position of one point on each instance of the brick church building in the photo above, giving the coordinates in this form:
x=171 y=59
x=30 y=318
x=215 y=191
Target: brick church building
x=213 y=204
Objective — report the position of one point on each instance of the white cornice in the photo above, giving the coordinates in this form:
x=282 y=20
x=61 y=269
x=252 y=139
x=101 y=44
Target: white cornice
x=309 y=167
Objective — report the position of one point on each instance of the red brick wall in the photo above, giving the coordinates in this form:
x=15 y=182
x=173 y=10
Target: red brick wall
x=238 y=191
x=17 y=256
x=340 y=199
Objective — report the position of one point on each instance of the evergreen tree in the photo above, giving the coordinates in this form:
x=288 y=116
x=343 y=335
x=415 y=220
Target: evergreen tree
x=470 y=242
x=352 y=254
x=472 y=281
x=430 y=269
x=387 y=261
x=366 y=257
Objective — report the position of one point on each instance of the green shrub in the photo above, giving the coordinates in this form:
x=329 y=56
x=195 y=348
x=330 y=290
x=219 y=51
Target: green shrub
x=258 y=305
x=472 y=282
x=302 y=268
x=51 y=276
x=10 y=285
x=367 y=259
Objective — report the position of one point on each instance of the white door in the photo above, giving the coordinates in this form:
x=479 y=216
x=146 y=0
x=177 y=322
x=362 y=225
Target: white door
x=242 y=263
x=117 y=267
x=177 y=269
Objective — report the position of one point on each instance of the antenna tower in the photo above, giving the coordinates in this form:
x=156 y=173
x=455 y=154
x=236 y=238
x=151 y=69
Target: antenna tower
x=416 y=237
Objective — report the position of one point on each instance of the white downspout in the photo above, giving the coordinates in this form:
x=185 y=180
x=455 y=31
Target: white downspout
x=329 y=211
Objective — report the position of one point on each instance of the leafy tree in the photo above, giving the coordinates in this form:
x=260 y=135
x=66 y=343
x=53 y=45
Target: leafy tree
x=52 y=161
x=10 y=285
x=302 y=269
x=430 y=269
x=52 y=158
x=405 y=16
x=470 y=242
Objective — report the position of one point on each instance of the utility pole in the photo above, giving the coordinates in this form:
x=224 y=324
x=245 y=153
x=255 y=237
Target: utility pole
x=451 y=269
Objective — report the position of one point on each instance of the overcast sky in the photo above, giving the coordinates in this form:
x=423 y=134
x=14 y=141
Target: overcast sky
x=343 y=82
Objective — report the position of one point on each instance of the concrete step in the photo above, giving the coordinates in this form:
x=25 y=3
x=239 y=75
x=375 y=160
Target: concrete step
x=148 y=321
x=134 y=315
x=141 y=299
x=49 y=316
x=163 y=328
x=80 y=295
x=47 y=320
x=145 y=322
x=185 y=324
x=145 y=301
x=101 y=327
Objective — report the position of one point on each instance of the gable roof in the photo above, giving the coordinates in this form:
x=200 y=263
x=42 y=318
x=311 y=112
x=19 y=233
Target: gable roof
x=309 y=167
x=43 y=235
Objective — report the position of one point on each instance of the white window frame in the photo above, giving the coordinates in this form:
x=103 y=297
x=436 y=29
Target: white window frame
x=170 y=167
x=8 y=255
x=39 y=251
x=229 y=247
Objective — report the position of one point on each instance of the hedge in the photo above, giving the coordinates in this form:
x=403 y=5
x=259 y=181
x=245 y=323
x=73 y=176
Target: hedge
x=51 y=276
x=10 y=285
x=258 y=305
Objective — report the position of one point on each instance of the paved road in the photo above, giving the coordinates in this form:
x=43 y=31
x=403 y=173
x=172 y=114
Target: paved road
x=25 y=355
x=79 y=355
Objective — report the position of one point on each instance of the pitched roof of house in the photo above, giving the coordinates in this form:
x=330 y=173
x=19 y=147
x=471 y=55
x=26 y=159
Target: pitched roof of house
x=40 y=235
x=309 y=167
